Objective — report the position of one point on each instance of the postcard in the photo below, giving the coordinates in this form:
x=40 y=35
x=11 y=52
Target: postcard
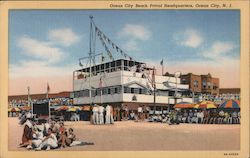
x=124 y=79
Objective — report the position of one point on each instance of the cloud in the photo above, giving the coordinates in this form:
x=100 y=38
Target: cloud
x=36 y=69
x=64 y=36
x=219 y=50
x=131 y=45
x=40 y=50
x=189 y=38
x=135 y=31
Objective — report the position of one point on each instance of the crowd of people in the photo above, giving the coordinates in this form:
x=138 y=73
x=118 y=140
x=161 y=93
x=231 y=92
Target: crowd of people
x=44 y=135
x=107 y=115
x=53 y=101
x=197 y=116
x=102 y=115
x=218 y=98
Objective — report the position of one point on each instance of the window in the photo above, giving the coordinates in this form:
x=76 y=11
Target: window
x=209 y=85
x=144 y=91
x=112 y=90
x=109 y=90
x=116 y=89
x=105 y=91
x=119 y=89
x=127 y=90
x=98 y=91
x=86 y=93
x=140 y=91
x=132 y=90
x=93 y=92
x=204 y=83
x=136 y=90
x=195 y=83
x=77 y=94
x=81 y=94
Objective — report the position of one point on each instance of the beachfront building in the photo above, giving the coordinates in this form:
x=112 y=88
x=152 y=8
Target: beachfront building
x=126 y=82
x=201 y=84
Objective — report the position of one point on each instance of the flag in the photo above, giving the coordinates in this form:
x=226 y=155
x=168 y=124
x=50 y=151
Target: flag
x=48 y=88
x=161 y=62
x=117 y=48
x=109 y=41
x=104 y=37
x=103 y=58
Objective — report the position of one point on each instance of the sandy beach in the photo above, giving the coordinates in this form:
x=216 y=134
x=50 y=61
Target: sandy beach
x=143 y=136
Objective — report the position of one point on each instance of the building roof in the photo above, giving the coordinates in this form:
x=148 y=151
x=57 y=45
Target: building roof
x=65 y=94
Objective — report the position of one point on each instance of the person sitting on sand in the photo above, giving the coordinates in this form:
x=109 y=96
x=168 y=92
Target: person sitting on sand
x=62 y=134
x=27 y=133
x=55 y=128
x=37 y=138
x=49 y=141
x=69 y=138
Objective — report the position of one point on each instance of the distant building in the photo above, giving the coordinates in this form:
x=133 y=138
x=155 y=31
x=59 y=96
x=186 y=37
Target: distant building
x=229 y=90
x=40 y=96
x=205 y=84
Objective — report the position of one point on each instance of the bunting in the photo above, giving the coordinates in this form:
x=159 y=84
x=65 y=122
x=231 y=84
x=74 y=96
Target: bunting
x=103 y=38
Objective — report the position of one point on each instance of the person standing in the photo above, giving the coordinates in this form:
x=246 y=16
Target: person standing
x=201 y=116
x=190 y=116
x=235 y=117
x=107 y=114
x=139 y=111
x=194 y=118
x=95 y=115
x=111 y=115
x=126 y=112
x=100 y=112
x=185 y=117
x=221 y=117
x=118 y=113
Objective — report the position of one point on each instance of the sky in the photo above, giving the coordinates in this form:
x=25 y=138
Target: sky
x=45 y=45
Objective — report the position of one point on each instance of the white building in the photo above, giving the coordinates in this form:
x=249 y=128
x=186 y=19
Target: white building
x=125 y=82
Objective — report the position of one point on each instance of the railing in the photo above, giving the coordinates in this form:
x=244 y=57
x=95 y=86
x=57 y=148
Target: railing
x=82 y=74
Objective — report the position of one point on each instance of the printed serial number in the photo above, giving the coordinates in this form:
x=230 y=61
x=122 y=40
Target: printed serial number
x=231 y=154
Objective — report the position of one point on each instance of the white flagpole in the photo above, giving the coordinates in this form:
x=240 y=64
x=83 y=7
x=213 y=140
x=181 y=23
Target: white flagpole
x=162 y=67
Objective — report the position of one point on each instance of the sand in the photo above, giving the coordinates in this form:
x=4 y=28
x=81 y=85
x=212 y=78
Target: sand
x=143 y=136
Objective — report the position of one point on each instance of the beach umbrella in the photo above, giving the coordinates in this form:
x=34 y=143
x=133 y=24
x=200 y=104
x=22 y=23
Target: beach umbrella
x=184 y=105
x=13 y=109
x=230 y=104
x=74 y=109
x=63 y=108
x=9 y=109
x=86 y=108
x=25 y=108
x=54 y=107
x=205 y=105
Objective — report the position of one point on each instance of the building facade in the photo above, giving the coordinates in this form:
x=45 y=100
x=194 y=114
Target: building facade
x=126 y=82
x=205 y=84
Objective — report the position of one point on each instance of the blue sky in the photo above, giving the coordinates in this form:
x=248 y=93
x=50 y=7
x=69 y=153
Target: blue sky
x=55 y=39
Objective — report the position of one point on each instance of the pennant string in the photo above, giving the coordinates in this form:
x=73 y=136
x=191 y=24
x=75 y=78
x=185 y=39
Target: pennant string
x=104 y=38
